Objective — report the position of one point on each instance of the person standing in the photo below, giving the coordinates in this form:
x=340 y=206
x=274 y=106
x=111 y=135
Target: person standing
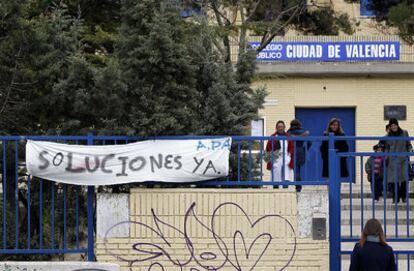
x=334 y=126
x=282 y=154
x=372 y=253
x=397 y=169
x=375 y=171
x=299 y=150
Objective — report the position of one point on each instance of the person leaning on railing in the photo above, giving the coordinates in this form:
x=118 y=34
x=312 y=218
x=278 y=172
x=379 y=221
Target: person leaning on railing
x=397 y=166
x=299 y=150
x=281 y=151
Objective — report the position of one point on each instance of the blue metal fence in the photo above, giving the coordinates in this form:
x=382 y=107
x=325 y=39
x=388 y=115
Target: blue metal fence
x=355 y=203
x=57 y=216
x=39 y=216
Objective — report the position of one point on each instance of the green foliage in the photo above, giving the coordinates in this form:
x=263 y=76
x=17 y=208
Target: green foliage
x=296 y=13
x=268 y=10
x=15 y=48
x=271 y=18
x=66 y=68
x=402 y=16
x=381 y=8
x=39 y=58
x=172 y=79
x=325 y=22
x=160 y=97
x=398 y=13
x=101 y=21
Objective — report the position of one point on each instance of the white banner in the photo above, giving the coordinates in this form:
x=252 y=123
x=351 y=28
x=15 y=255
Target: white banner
x=156 y=160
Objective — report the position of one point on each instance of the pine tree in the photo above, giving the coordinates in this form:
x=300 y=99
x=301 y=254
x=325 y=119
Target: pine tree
x=176 y=81
x=160 y=95
x=65 y=79
x=44 y=78
x=46 y=84
x=228 y=103
x=16 y=74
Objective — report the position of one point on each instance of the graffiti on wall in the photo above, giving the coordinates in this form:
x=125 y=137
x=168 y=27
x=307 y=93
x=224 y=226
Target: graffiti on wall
x=27 y=266
x=235 y=242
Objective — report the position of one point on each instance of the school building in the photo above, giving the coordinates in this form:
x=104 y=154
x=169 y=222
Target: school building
x=363 y=94
x=364 y=79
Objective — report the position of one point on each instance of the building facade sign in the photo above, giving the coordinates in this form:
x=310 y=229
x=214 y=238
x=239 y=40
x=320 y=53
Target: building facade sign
x=398 y=112
x=329 y=51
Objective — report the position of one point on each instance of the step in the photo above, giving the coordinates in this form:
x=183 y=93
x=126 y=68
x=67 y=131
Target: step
x=367 y=196
x=369 y=202
x=378 y=207
x=367 y=214
x=390 y=231
x=369 y=208
x=390 y=221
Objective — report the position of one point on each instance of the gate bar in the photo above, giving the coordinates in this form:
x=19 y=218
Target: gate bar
x=334 y=209
x=91 y=195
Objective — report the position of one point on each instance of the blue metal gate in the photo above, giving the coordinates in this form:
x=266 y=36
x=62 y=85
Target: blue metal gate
x=55 y=215
x=352 y=204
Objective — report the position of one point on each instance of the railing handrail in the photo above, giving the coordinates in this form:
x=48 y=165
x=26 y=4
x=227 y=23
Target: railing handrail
x=382 y=154
x=193 y=137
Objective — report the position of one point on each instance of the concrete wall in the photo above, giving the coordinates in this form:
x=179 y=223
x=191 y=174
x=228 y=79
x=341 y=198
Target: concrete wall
x=200 y=229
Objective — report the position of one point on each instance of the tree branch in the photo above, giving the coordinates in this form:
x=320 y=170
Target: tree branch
x=253 y=11
x=275 y=30
x=9 y=88
x=226 y=40
x=243 y=32
x=218 y=13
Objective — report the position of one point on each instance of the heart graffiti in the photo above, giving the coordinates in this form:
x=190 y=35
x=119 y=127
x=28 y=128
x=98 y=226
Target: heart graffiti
x=241 y=245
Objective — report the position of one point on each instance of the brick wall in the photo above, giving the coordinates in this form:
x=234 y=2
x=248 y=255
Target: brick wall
x=367 y=95
x=211 y=229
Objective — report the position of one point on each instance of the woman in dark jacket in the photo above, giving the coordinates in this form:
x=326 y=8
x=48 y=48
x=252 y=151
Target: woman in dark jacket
x=372 y=252
x=397 y=169
x=334 y=126
x=299 y=150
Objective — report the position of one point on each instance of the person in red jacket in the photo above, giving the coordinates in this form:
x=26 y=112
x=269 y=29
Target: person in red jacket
x=282 y=166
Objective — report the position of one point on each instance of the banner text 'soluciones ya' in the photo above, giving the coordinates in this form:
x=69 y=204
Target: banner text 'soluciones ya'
x=151 y=160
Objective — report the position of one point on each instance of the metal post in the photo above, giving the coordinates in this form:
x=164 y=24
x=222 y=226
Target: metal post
x=334 y=208
x=91 y=196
